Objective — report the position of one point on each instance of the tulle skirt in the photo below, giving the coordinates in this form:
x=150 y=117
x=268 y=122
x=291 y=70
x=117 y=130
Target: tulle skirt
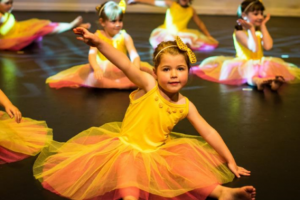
x=96 y=164
x=237 y=71
x=83 y=76
x=25 y=32
x=20 y=140
x=195 y=39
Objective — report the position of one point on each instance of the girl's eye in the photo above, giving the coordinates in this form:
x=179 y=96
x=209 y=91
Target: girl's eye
x=165 y=69
x=181 y=69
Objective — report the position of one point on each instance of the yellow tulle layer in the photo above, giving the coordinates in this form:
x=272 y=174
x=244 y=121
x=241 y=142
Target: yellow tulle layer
x=96 y=162
x=27 y=137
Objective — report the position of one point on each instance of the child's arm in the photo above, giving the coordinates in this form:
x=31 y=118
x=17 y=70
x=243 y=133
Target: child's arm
x=134 y=56
x=98 y=73
x=200 y=24
x=143 y=80
x=214 y=139
x=267 y=40
x=159 y=3
x=11 y=110
x=249 y=41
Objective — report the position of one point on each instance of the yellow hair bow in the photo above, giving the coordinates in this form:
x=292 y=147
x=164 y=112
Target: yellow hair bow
x=122 y=5
x=184 y=47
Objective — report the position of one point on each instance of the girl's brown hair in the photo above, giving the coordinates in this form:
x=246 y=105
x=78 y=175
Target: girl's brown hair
x=109 y=10
x=170 y=48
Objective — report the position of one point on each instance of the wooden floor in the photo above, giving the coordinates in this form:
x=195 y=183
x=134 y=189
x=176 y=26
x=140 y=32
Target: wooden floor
x=262 y=129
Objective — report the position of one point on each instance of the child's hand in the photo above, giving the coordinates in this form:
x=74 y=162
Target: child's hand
x=245 y=24
x=98 y=74
x=213 y=40
x=87 y=37
x=238 y=171
x=13 y=111
x=266 y=19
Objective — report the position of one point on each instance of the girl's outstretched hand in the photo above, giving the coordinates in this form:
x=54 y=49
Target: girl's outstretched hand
x=266 y=19
x=13 y=111
x=238 y=171
x=86 y=36
x=245 y=24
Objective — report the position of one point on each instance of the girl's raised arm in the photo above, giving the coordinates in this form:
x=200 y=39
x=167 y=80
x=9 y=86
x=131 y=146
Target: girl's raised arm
x=267 y=41
x=165 y=3
x=133 y=55
x=249 y=41
x=141 y=79
x=213 y=138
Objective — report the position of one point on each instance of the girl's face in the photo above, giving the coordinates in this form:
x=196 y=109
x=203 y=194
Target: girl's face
x=255 y=17
x=184 y=2
x=7 y=5
x=112 y=28
x=172 y=73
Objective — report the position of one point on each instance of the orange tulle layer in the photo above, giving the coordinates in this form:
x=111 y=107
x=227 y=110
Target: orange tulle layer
x=237 y=71
x=83 y=76
x=195 y=39
x=20 y=140
x=96 y=164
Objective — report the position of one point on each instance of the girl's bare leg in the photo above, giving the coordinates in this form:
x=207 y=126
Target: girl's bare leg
x=225 y=193
x=62 y=27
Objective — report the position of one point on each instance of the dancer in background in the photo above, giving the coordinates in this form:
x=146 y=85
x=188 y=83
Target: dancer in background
x=177 y=18
x=20 y=137
x=142 y=158
x=250 y=37
x=15 y=35
x=100 y=72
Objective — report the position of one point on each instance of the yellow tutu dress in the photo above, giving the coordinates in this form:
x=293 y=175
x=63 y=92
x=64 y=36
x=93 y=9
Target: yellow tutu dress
x=83 y=75
x=176 y=21
x=140 y=157
x=16 y=35
x=246 y=66
x=20 y=140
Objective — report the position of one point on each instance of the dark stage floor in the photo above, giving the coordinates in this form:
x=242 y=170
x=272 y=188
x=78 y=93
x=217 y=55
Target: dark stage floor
x=260 y=128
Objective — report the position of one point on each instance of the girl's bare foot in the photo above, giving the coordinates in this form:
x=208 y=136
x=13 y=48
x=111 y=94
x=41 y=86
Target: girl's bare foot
x=277 y=82
x=243 y=193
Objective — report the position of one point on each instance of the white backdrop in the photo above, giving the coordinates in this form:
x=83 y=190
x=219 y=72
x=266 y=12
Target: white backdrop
x=211 y=7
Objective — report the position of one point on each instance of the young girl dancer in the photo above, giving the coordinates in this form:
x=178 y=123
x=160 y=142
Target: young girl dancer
x=100 y=72
x=16 y=35
x=249 y=66
x=177 y=18
x=141 y=158
x=20 y=137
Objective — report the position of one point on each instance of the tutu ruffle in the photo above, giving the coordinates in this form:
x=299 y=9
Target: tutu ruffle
x=20 y=140
x=237 y=71
x=195 y=39
x=83 y=76
x=22 y=33
x=97 y=164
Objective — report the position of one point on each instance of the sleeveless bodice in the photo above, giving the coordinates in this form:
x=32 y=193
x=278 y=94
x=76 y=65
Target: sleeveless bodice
x=150 y=119
x=245 y=53
x=177 y=18
x=118 y=42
